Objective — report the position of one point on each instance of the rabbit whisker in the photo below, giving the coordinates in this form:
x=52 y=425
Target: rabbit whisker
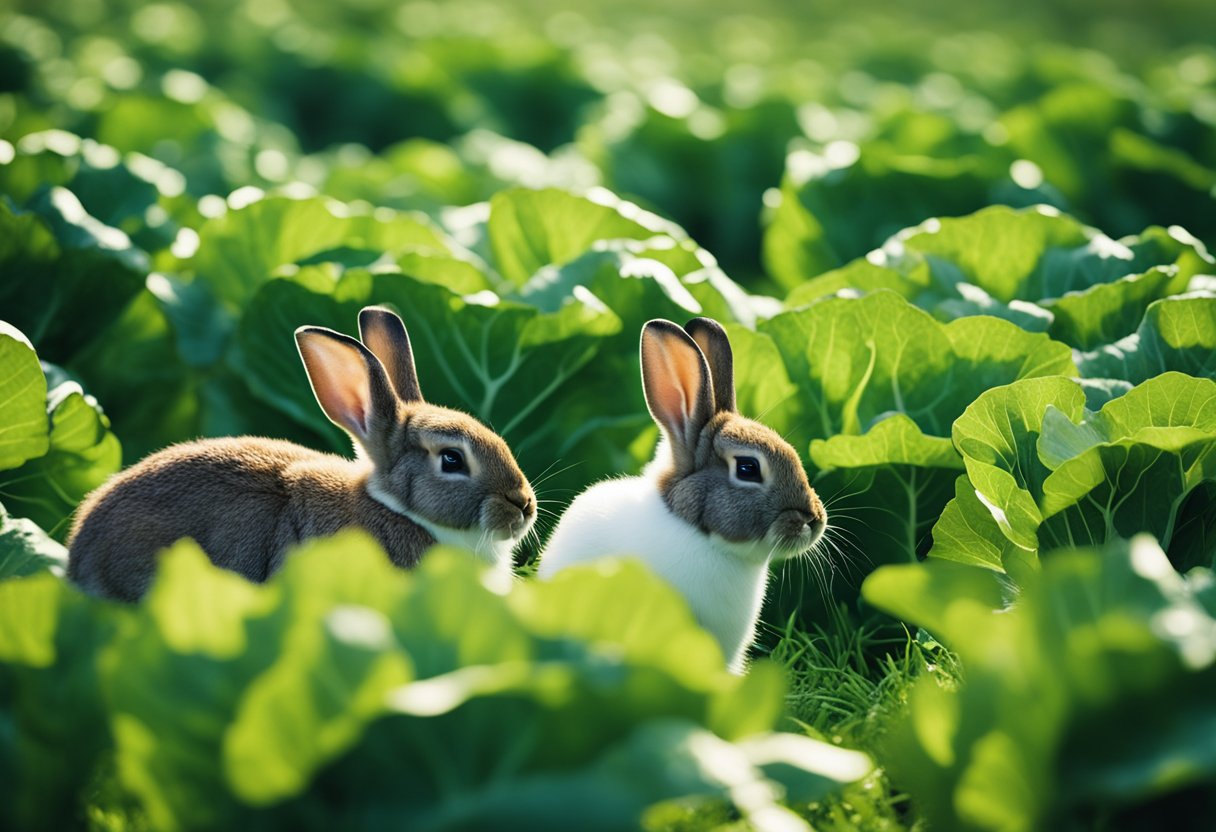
x=544 y=477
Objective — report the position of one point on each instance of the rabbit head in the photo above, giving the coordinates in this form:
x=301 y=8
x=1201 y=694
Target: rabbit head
x=728 y=476
x=439 y=467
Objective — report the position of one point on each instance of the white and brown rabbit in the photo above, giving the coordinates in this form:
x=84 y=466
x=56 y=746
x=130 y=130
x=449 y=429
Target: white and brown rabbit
x=424 y=474
x=723 y=497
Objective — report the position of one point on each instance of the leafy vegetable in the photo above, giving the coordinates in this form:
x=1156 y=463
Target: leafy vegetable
x=965 y=273
x=875 y=383
x=1035 y=267
x=531 y=229
x=1050 y=474
x=273 y=704
x=1176 y=334
x=54 y=722
x=26 y=549
x=67 y=275
x=236 y=254
x=23 y=393
x=1119 y=698
x=58 y=448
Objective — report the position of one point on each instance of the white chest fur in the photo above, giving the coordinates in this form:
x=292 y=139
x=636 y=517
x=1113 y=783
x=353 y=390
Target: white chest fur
x=724 y=583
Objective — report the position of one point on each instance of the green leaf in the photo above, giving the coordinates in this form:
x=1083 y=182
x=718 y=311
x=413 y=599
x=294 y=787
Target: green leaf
x=834 y=208
x=26 y=549
x=82 y=454
x=808 y=769
x=153 y=401
x=458 y=273
x=888 y=485
x=28 y=620
x=895 y=440
x=590 y=603
x=1121 y=716
x=1014 y=254
x=878 y=383
x=317 y=693
x=966 y=532
x=709 y=168
x=244 y=247
x=452 y=619
x=856 y=360
x=1177 y=334
x=56 y=446
x=1107 y=312
x=53 y=724
x=200 y=324
x=67 y=275
x=23 y=429
x=999 y=789
x=301 y=714
x=637 y=281
x=660 y=761
x=229 y=408
x=529 y=229
x=763 y=389
x=640 y=280
x=1047 y=473
x=413 y=174
x=943 y=597
x=174 y=679
x=1143 y=455
x=886 y=269
x=996 y=436
x=877 y=514
x=1027 y=267
x=1112 y=155
x=130 y=193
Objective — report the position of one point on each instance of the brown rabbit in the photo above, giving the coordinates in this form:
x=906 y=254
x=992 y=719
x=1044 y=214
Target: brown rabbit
x=424 y=474
x=723 y=497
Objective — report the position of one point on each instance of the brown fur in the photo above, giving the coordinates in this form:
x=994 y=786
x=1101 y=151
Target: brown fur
x=244 y=500
x=247 y=500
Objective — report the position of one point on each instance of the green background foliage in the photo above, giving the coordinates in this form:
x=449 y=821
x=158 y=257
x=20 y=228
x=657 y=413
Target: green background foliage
x=963 y=258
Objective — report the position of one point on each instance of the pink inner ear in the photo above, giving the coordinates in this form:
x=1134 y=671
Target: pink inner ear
x=673 y=377
x=339 y=380
x=354 y=396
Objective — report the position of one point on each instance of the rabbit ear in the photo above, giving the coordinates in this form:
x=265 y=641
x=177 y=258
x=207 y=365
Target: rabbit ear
x=384 y=334
x=348 y=381
x=711 y=338
x=675 y=379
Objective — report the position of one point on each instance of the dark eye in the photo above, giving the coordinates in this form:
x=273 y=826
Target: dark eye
x=747 y=469
x=451 y=461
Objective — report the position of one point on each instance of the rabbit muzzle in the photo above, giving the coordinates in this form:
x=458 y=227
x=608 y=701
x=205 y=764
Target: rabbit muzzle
x=508 y=516
x=796 y=530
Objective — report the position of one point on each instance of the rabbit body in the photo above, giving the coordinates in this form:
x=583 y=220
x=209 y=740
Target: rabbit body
x=629 y=517
x=723 y=497
x=244 y=500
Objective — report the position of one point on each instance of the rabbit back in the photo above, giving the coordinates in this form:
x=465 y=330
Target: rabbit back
x=245 y=501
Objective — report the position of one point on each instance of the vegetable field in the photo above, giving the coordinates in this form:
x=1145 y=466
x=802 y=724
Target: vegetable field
x=962 y=255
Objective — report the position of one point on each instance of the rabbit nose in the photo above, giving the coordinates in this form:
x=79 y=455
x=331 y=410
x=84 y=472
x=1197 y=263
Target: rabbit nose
x=524 y=502
x=813 y=521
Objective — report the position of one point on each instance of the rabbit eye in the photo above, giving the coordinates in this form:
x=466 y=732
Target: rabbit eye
x=451 y=461
x=747 y=469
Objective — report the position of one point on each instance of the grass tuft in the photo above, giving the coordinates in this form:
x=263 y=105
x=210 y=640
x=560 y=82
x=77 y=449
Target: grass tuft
x=849 y=680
